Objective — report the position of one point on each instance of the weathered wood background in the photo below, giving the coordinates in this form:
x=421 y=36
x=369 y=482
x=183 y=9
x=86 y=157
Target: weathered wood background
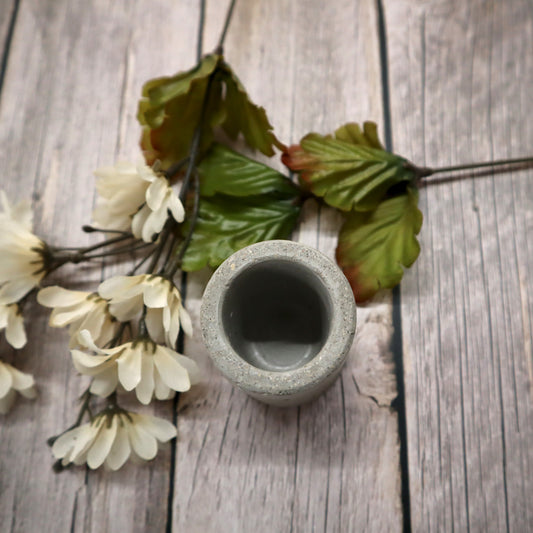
x=430 y=426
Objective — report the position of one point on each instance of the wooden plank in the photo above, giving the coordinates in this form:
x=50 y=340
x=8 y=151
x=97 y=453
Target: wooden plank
x=68 y=106
x=460 y=78
x=8 y=19
x=332 y=465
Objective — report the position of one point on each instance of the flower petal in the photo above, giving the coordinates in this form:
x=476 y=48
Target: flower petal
x=128 y=309
x=145 y=388
x=90 y=365
x=176 y=208
x=57 y=296
x=13 y=291
x=105 y=383
x=143 y=444
x=156 y=294
x=6 y=379
x=185 y=321
x=138 y=222
x=121 y=449
x=93 y=323
x=156 y=192
x=21 y=380
x=102 y=445
x=129 y=367
x=61 y=317
x=86 y=436
x=85 y=339
x=172 y=373
x=190 y=365
x=161 y=390
x=118 y=286
x=161 y=429
x=15 y=334
x=64 y=443
x=154 y=224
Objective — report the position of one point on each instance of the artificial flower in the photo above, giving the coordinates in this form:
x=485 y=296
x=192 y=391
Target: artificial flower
x=147 y=367
x=136 y=198
x=111 y=437
x=121 y=189
x=128 y=294
x=11 y=382
x=79 y=310
x=23 y=254
x=12 y=321
x=160 y=201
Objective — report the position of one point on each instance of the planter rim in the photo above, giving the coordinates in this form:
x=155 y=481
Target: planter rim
x=325 y=364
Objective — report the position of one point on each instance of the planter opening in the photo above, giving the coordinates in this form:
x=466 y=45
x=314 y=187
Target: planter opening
x=276 y=315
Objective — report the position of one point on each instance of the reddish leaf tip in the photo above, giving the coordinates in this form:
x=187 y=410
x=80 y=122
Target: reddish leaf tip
x=296 y=158
x=362 y=293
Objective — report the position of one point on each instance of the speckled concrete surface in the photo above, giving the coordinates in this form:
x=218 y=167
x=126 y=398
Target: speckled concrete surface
x=298 y=385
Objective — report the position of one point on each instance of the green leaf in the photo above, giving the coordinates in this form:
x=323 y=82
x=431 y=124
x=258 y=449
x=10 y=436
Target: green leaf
x=243 y=116
x=228 y=223
x=352 y=133
x=171 y=109
x=351 y=171
x=373 y=246
x=227 y=172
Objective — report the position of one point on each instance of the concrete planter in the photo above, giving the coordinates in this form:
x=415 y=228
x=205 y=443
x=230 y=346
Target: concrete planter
x=278 y=319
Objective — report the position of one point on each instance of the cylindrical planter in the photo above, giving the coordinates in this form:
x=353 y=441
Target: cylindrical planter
x=278 y=319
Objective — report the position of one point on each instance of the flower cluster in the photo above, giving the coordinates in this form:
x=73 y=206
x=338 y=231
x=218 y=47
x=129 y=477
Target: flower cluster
x=111 y=437
x=123 y=335
x=141 y=365
x=165 y=314
x=23 y=254
x=135 y=198
x=22 y=267
x=80 y=311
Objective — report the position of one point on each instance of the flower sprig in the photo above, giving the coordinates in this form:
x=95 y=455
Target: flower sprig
x=190 y=204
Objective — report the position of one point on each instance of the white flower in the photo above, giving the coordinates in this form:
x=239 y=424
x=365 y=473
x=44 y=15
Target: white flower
x=142 y=365
x=128 y=294
x=80 y=310
x=121 y=190
x=160 y=200
x=11 y=382
x=135 y=197
x=110 y=439
x=12 y=321
x=21 y=253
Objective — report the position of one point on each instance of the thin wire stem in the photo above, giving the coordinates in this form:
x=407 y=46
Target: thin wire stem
x=201 y=24
x=173 y=169
x=90 y=229
x=220 y=46
x=426 y=172
x=81 y=258
x=195 y=146
x=170 y=250
x=164 y=236
x=141 y=262
x=193 y=221
x=107 y=242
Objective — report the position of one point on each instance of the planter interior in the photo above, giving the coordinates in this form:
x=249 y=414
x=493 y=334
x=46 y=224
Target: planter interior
x=276 y=315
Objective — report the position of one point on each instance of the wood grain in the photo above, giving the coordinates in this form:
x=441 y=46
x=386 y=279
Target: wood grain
x=73 y=77
x=332 y=465
x=460 y=89
x=460 y=79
